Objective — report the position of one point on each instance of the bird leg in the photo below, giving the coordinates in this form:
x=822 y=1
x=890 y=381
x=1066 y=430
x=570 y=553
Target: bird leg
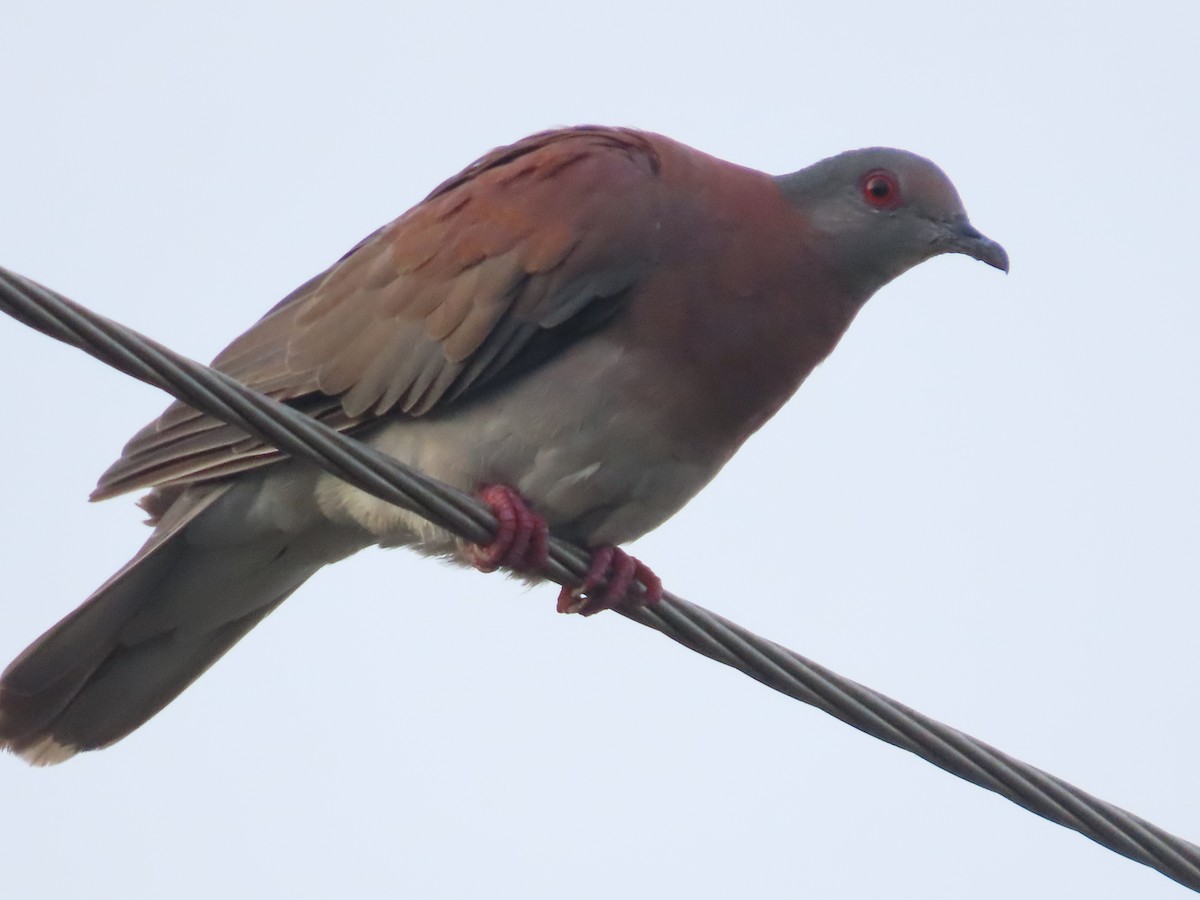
x=522 y=543
x=522 y=538
x=616 y=570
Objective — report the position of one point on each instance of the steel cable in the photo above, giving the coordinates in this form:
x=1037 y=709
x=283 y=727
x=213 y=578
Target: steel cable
x=695 y=627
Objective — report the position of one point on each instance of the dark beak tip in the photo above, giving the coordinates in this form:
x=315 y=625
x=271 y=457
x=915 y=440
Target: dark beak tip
x=965 y=238
x=998 y=258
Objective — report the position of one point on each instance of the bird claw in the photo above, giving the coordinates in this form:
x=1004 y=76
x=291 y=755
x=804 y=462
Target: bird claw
x=616 y=570
x=522 y=540
x=522 y=543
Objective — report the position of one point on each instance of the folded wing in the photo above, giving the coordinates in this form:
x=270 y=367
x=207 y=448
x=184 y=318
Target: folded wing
x=528 y=249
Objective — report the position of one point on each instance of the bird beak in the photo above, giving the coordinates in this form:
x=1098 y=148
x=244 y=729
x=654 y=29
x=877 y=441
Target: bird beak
x=960 y=236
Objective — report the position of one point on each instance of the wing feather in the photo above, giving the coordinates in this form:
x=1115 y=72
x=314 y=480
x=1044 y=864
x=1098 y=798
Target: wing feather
x=528 y=249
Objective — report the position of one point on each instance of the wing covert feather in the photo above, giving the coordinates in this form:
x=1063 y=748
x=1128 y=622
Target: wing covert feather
x=528 y=249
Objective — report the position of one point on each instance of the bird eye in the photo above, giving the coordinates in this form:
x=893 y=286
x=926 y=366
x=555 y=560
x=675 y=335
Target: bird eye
x=881 y=190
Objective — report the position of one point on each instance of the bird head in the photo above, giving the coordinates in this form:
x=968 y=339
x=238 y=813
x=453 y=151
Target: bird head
x=876 y=213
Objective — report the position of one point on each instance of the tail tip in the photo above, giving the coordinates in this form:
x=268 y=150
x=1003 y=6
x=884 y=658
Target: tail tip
x=45 y=751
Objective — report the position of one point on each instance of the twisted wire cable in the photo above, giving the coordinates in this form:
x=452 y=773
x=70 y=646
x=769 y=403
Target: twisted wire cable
x=692 y=626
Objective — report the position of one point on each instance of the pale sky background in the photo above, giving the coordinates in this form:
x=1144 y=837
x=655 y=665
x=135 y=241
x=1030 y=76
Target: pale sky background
x=985 y=504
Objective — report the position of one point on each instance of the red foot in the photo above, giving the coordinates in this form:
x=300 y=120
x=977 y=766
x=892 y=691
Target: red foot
x=616 y=570
x=522 y=540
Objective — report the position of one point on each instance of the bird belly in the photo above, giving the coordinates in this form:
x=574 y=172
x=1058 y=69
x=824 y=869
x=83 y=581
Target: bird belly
x=599 y=461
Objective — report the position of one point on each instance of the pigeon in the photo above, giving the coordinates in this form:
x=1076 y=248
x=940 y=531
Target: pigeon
x=580 y=328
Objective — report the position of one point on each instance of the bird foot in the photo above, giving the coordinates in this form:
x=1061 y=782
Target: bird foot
x=616 y=570
x=522 y=538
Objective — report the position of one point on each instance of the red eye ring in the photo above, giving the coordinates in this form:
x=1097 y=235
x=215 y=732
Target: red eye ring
x=881 y=189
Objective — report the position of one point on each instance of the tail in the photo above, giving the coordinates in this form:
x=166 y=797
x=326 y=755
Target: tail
x=207 y=576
